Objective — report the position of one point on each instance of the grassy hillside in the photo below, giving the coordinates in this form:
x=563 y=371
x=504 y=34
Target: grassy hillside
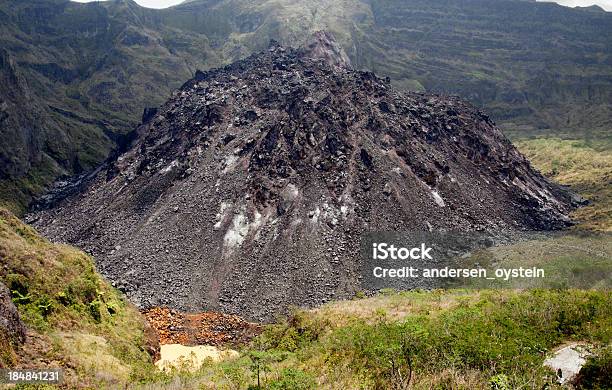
x=439 y=339
x=75 y=319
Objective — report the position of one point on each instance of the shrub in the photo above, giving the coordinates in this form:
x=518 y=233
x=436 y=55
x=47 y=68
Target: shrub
x=495 y=335
x=596 y=373
x=499 y=382
x=293 y=379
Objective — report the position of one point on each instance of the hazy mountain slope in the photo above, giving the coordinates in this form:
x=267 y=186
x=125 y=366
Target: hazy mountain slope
x=531 y=64
x=97 y=65
x=239 y=27
x=88 y=70
x=540 y=65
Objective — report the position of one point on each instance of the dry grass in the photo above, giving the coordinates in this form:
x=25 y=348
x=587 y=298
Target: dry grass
x=569 y=259
x=586 y=168
x=75 y=318
x=393 y=306
x=93 y=356
x=450 y=379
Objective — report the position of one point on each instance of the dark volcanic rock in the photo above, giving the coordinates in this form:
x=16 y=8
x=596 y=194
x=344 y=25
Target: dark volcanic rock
x=11 y=327
x=249 y=190
x=88 y=70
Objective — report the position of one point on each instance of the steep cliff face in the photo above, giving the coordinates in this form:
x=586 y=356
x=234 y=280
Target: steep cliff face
x=17 y=150
x=23 y=130
x=250 y=189
x=83 y=75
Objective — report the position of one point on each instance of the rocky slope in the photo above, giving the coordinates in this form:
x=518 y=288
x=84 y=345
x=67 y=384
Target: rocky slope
x=250 y=189
x=12 y=330
x=92 y=68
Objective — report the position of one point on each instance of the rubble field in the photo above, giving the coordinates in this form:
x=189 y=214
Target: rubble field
x=249 y=191
x=174 y=327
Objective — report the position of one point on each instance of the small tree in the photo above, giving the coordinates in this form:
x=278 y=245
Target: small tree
x=401 y=367
x=259 y=364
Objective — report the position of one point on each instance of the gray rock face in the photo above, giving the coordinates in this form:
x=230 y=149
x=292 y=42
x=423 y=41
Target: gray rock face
x=11 y=326
x=567 y=362
x=18 y=121
x=323 y=46
x=250 y=189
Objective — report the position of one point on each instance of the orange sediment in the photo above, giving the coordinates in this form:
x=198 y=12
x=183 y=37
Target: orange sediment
x=207 y=328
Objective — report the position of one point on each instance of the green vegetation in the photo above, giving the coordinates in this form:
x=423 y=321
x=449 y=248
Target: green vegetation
x=440 y=339
x=478 y=339
x=16 y=193
x=77 y=320
x=596 y=372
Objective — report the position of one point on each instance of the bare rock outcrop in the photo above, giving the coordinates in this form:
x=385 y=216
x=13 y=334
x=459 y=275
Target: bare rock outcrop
x=12 y=330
